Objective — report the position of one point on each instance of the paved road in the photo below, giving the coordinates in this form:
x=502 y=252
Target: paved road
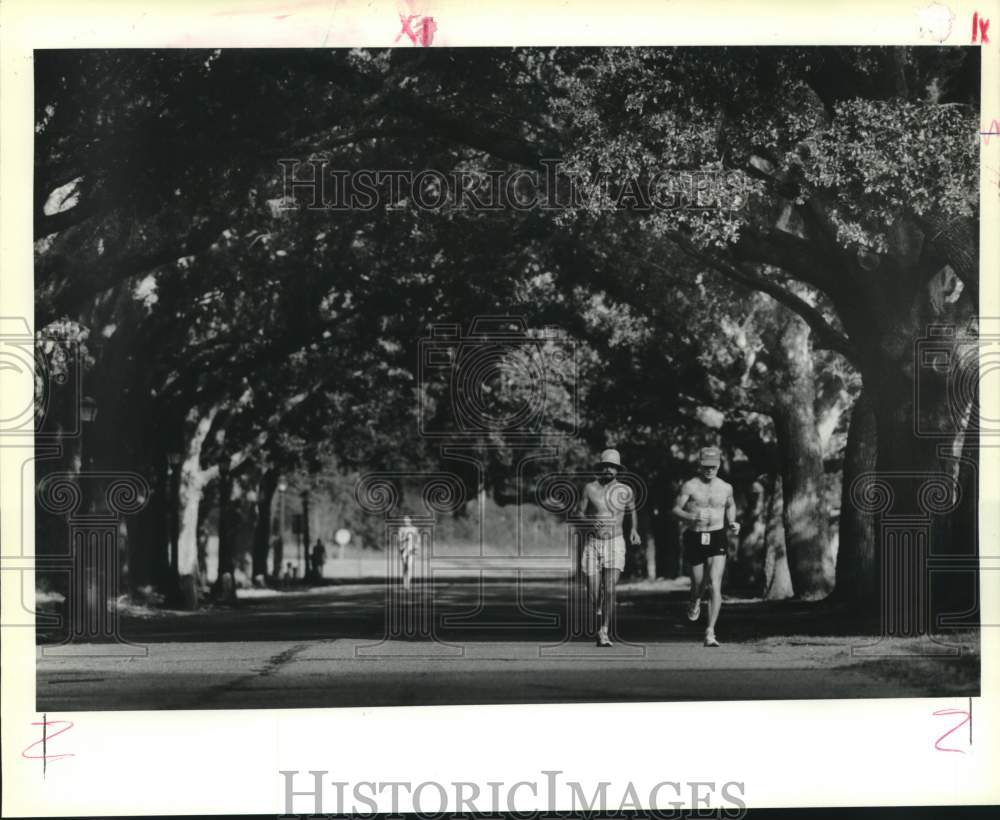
x=327 y=648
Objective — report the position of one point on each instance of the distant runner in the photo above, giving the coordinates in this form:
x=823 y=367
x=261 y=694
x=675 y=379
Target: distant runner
x=706 y=504
x=318 y=559
x=605 y=501
x=409 y=545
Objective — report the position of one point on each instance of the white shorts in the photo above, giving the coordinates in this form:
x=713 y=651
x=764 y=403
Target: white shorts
x=603 y=553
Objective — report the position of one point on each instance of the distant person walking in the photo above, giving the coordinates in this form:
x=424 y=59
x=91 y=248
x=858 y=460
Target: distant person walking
x=705 y=504
x=604 y=503
x=318 y=559
x=409 y=545
x=277 y=559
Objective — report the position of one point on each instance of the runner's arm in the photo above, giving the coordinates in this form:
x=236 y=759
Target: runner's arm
x=729 y=514
x=578 y=517
x=678 y=511
x=630 y=512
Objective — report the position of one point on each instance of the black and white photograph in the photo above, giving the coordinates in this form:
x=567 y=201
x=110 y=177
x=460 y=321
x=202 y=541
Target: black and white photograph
x=410 y=407
x=450 y=376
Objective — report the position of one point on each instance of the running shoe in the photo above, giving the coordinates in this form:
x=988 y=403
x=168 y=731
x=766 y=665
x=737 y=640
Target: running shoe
x=603 y=639
x=694 y=610
x=710 y=639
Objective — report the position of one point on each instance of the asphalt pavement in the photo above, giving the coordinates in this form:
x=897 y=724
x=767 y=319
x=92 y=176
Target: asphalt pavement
x=472 y=642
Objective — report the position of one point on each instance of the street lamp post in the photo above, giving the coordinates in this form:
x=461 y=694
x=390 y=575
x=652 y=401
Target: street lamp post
x=304 y=533
x=282 y=489
x=173 y=461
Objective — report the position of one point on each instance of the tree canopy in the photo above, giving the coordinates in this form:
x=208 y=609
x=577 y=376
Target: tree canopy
x=841 y=222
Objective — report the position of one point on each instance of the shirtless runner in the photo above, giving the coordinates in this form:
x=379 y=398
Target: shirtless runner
x=705 y=503
x=604 y=503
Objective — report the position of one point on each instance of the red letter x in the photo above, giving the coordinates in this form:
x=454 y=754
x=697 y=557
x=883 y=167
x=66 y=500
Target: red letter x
x=425 y=29
x=408 y=31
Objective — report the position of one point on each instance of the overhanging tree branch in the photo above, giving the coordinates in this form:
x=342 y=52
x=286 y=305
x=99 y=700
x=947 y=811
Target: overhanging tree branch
x=825 y=336
x=84 y=281
x=955 y=242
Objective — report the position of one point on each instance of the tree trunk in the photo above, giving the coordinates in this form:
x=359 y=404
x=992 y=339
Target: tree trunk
x=148 y=539
x=806 y=513
x=857 y=564
x=920 y=481
x=667 y=535
x=174 y=527
x=955 y=597
x=159 y=535
x=225 y=587
x=649 y=543
x=262 y=527
x=917 y=333
x=753 y=544
x=777 y=578
x=188 y=573
x=106 y=442
x=192 y=485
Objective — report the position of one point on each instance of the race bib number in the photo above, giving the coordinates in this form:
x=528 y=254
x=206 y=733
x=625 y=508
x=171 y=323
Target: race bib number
x=706 y=538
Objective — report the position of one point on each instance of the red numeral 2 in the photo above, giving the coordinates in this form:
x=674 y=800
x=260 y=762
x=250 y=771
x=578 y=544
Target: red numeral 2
x=943 y=712
x=45 y=756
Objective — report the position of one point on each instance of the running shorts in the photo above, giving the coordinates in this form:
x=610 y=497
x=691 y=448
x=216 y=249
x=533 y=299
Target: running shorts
x=603 y=553
x=696 y=552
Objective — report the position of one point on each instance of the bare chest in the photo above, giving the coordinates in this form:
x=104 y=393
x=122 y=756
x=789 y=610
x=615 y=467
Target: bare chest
x=708 y=495
x=610 y=500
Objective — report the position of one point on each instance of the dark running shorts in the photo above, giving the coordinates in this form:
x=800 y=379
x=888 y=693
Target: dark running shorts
x=697 y=553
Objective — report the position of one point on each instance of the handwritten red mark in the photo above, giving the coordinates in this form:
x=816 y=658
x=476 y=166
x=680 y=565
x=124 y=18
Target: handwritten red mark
x=980 y=27
x=422 y=31
x=992 y=131
x=45 y=757
x=944 y=712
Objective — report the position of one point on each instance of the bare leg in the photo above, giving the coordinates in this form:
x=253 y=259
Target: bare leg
x=608 y=596
x=716 y=566
x=697 y=587
x=697 y=582
x=594 y=592
x=406 y=572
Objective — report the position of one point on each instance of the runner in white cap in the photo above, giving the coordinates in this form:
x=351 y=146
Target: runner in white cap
x=706 y=505
x=605 y=501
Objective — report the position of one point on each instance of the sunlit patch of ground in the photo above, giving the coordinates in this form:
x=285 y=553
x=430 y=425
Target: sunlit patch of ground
x=947 y=663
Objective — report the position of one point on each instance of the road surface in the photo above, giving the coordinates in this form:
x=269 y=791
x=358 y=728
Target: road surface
x=493 y=643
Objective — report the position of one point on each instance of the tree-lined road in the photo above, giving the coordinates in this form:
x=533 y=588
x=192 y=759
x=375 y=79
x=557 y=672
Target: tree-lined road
x=321 y=648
